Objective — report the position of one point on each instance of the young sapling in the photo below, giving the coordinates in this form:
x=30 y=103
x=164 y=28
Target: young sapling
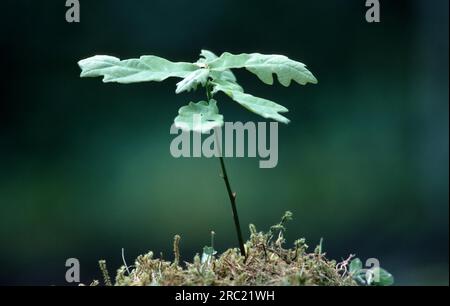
x=215 y=75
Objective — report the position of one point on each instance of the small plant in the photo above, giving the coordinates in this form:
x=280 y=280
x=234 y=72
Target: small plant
x=375 y=276
x=215 y=75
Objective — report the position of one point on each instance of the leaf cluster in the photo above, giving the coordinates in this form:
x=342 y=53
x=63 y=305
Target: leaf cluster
x=211 y=72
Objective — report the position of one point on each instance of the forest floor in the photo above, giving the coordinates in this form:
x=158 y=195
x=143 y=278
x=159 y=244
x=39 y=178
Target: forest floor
x=267 y=263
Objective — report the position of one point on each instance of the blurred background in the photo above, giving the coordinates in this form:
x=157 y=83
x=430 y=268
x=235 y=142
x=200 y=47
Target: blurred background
x=85 y=168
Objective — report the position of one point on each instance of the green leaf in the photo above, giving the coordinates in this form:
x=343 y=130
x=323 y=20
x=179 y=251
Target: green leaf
x=355 y=266
x=265 y=108
x=360 y=277
x=193 y=80
x=208 y=253
x=226 y=87
x=199 y=117
x=381 y=277
x=144 y=69
x=207 y=57
x=373 y=277
x=264 y=66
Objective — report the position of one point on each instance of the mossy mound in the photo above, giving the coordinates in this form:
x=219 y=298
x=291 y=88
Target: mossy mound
x=267 y=263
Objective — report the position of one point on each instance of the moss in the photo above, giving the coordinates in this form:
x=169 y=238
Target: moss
x=268 y=262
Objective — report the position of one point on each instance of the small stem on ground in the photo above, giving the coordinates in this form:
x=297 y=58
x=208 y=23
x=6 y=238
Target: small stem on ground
x=232 y=197
x=231 y=194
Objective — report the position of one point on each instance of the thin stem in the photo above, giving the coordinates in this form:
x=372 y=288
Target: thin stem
x=231 y=194
x=232 y=197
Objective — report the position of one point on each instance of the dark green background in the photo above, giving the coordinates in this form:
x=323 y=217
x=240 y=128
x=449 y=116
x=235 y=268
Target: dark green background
x=85 y=168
